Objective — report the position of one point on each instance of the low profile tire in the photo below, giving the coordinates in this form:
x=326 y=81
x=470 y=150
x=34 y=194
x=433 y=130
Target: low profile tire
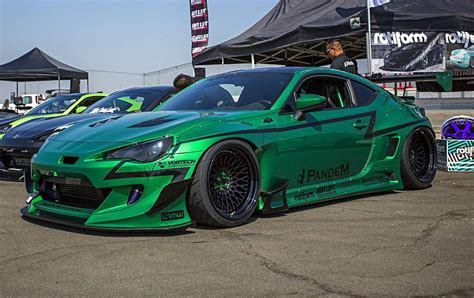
x=418 y=160
x=471 y=62
x=226 y=185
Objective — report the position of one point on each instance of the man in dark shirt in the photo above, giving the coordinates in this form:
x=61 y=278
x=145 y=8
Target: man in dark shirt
x=339 y=59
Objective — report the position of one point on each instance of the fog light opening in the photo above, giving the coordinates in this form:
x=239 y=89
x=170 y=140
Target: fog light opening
x=32 y=196
x=135 y=194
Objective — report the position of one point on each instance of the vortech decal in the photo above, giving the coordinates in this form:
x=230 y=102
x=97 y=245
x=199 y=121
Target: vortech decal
x=176 y=163
x=172 y=215
x=314 y=175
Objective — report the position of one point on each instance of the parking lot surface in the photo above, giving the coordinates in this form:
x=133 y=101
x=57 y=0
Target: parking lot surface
x=395 y=243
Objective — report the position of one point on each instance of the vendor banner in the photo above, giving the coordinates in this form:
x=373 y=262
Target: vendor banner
x=199 y=26
x=407 y=52
x=412 y=52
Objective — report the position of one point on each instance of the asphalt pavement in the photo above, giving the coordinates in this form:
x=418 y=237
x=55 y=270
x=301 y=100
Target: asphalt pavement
x=395 y=243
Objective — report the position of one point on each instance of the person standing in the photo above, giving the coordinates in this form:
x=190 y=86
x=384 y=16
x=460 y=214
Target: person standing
x=182 y=81
x=340 y=61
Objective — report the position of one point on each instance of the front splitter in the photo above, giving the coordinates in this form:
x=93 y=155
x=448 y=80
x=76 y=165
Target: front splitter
x=52 y=219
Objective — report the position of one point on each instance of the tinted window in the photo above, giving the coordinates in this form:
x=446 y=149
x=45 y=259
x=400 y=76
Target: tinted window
x=364 y=95
x=88 y=102
x=232 y=91
x=57 y=104
x=127 y=101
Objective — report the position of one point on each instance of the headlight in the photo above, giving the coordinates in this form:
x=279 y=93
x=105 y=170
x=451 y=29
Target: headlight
x=4 y=128
x=57 y=130
x=144 y=152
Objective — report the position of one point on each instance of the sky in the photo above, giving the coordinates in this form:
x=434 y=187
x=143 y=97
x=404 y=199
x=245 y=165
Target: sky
x=119 y=35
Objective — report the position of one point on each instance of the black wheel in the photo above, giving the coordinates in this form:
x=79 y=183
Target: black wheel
x=418 y=160
x=471 y=62
x=226 y=185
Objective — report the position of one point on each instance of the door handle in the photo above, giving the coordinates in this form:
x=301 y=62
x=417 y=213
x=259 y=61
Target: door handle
x=359 y=125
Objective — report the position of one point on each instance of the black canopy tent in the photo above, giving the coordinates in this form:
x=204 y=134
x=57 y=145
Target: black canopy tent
x=39 y=66
x=295 y=32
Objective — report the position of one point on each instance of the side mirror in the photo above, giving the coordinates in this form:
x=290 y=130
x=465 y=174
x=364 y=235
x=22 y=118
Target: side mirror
x=80 y=109
x=309 y=102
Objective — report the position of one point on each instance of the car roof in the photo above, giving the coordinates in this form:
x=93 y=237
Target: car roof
x=149 y=88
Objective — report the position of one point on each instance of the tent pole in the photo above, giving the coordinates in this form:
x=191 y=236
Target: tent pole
x=16 y=89
x=59 y=83
x=369 y=40
x=87 y=84
x=253 y=61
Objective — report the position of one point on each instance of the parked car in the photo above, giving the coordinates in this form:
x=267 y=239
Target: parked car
x=255 y=140
x=59 y=106
x=20 y=143
x=463 y=58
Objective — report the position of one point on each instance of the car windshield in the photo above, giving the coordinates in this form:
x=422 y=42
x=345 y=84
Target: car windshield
x=127 y=101
x=231 y=91
x=57 y=104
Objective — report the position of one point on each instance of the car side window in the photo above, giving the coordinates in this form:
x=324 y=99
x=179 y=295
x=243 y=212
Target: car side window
x=364 y=95
x=88 y=102
x=334 y=89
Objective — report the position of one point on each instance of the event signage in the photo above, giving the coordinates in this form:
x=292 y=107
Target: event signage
x=455 y=155
x=199 y=26
x=412 y=52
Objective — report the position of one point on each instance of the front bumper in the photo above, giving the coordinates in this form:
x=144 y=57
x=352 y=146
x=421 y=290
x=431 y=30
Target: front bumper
x=12 y=174
x=80 y=224
x=462 y=63
x=95 y=194
x=15 y=162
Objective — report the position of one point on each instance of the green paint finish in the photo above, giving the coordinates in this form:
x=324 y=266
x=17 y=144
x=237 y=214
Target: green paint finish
x=326 y=154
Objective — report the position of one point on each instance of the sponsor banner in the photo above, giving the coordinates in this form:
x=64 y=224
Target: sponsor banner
x=407 y=52
x=460 y=52
x=412 y=52
x=199 y=26
x=455 y=155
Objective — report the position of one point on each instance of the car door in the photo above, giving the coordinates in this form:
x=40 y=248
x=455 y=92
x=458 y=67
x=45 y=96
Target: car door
x=327 y=145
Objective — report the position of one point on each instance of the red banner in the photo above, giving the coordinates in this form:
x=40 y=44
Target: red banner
x=199 y=26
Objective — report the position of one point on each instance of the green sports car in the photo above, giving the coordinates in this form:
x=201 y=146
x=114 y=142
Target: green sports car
x=259 y=140
x=57 y=106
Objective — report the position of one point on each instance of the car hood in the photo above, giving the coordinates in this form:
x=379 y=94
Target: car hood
x=461 y=53
x=8 y=120
x=135 y=128
x=37 y=127
x=8 y=116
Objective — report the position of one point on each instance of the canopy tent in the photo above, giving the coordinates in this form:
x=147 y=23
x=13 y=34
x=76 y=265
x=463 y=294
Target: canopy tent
x=39 y=66
x=295 y=32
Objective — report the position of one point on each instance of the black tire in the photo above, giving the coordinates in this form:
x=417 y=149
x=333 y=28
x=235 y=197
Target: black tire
x=419 y=158
x=226 y=185
x=471 y=62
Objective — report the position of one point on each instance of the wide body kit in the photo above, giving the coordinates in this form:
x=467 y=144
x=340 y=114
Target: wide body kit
x=326 y=154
